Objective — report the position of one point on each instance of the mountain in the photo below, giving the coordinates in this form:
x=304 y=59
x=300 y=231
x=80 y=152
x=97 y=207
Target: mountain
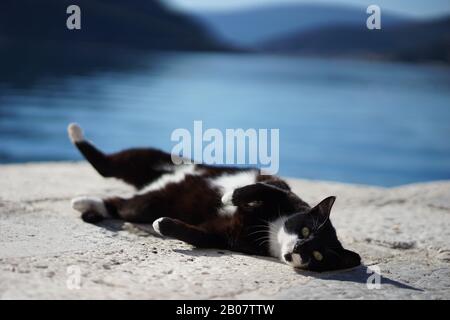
x=137 y=24
x=414 y=42
x=36 y=44
x=249 y=27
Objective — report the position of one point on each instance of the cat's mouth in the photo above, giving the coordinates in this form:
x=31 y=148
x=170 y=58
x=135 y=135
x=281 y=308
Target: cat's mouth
x=295 y=260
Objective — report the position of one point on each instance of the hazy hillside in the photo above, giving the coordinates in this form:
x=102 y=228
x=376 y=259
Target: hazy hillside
x=424 y=41
x=140 y=24
x=36 y=43
x=249 y=27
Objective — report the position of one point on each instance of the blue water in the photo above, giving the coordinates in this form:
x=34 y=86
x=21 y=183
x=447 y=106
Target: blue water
x=373 y=123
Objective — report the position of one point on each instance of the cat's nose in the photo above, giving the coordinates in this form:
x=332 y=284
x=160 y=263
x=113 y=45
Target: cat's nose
x=288 y=257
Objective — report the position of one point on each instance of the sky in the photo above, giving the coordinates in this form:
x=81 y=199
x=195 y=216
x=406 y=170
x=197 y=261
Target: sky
x=415 y=8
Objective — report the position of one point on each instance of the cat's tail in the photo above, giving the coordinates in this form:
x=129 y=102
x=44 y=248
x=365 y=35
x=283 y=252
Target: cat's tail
x=95 y=157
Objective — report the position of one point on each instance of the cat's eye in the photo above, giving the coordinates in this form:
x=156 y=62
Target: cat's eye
x=317 y=255
x=305 y=232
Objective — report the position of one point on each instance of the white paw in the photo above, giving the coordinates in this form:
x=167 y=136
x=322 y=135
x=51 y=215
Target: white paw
x=84 y=204
x=155 y=225
x=75 y=133
x=227 y=198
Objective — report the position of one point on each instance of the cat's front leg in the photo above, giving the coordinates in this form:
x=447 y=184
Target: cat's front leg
x=191 y=234
x=260 y=191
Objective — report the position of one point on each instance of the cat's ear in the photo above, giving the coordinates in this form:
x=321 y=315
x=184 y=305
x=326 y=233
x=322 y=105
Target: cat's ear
x=348 y=259
x=323 y=209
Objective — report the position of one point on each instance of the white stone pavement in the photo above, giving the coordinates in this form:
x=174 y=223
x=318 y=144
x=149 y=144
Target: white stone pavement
x=404 y=231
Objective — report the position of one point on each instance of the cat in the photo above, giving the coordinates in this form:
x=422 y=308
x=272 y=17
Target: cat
x=239 y=209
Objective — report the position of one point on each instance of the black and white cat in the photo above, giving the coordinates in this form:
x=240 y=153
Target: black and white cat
x=215 y=207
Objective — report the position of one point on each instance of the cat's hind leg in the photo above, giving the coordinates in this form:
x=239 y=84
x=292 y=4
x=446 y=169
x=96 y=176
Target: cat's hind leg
x=194 y=235
x=92 y=209
x=139 y=208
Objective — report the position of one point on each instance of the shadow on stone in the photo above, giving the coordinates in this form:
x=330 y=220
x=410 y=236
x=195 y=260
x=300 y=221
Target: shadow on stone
x=111 y=225
x=359 y=274
x=204 y=252
x=139 y=229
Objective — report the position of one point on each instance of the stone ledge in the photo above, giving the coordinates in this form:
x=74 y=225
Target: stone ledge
x=405 y=231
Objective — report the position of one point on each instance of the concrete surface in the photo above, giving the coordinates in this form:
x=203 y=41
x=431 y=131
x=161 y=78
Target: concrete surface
x=403 y=232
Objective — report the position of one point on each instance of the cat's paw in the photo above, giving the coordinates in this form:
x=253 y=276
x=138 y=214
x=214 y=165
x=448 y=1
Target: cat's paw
x=155 y=225
x=158 y=225
x=90 y=204
x=75 y=133
x=227 y=198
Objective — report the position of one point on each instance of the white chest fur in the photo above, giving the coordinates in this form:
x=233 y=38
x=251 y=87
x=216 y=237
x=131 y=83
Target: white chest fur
x=228 y=183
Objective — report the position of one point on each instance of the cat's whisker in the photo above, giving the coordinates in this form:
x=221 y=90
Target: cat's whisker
x=264 y=242
x=256 y=232
x=262 y=238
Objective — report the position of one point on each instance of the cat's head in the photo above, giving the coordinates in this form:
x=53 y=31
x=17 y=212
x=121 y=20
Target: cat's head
x=308 y=240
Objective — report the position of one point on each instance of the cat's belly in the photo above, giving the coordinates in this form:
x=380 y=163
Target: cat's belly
x=193 y=195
